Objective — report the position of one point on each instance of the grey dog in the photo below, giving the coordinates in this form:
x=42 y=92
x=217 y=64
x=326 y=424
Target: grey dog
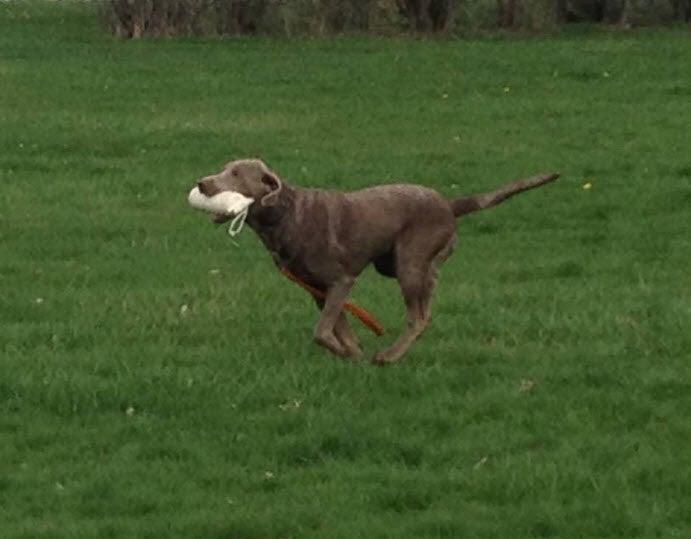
x=327 y=238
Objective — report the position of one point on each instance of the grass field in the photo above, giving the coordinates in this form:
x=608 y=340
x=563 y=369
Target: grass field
x=158 y=381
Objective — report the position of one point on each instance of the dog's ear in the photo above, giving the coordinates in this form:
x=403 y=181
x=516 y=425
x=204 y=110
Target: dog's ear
x=274 y=185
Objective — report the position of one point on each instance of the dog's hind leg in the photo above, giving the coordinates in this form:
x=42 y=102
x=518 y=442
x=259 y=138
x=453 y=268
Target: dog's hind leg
x=418 y=278
x=416 y=294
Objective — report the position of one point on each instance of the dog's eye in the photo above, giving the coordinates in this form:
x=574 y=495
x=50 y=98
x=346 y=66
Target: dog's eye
x=234 y=172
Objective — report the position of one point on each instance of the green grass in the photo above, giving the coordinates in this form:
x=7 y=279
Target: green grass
x=551 y=395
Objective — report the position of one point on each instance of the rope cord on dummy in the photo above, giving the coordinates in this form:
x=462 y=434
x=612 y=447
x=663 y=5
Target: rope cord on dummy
x=365 y=317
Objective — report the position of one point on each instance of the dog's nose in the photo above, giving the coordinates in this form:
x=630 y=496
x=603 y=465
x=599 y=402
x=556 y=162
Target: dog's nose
x=202 y=186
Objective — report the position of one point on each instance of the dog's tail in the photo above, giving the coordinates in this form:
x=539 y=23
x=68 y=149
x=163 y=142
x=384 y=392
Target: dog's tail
x=469 y=204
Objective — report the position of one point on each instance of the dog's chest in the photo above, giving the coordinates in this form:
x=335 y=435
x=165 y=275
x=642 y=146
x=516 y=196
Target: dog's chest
x=281 y=256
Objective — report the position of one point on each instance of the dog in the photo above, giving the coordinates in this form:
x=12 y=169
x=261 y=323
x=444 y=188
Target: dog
x=327 y=238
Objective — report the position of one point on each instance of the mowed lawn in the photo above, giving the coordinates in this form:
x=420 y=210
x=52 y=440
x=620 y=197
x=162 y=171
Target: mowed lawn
x=158 y=379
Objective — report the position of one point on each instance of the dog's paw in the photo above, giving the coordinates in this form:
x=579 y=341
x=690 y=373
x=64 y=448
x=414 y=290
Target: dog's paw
x=354 y=353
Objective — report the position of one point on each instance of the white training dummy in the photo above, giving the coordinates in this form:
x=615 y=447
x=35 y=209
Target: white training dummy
x=228 y=203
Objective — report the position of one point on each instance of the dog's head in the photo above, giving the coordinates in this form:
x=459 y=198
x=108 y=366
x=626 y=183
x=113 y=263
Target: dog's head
x=249 y=177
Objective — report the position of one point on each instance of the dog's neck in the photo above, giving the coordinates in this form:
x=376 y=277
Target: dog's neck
x=266 y=218
x=274 y=225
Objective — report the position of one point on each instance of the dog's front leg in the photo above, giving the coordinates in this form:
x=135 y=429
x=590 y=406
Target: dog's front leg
x=333 y=305
x=343 y=333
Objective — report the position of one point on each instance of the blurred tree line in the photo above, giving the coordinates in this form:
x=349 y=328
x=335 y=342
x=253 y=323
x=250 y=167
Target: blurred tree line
x=136 y=18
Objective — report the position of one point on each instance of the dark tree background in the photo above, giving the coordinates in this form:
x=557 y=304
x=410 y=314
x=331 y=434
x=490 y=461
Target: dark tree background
x=137 y=18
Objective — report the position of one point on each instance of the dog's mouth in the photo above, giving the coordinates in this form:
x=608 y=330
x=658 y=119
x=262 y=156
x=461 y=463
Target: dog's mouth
x=222 y=206
x=222 y=218
x=219 y=218
x=208 y=188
